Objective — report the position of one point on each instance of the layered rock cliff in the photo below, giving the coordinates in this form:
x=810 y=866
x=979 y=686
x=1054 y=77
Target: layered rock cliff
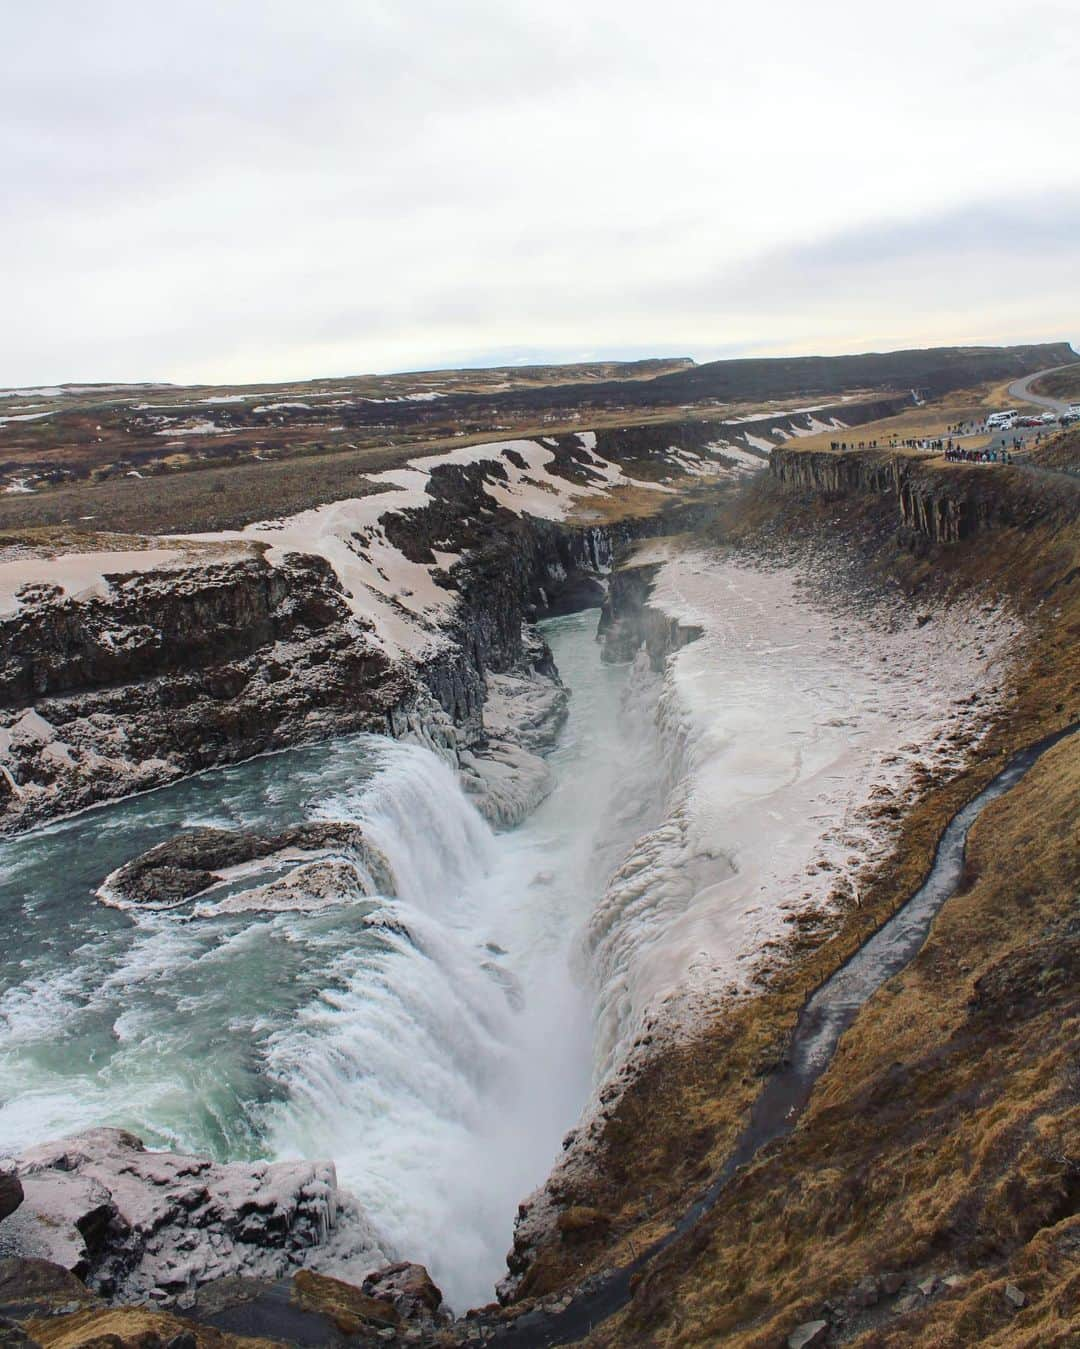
x=159 y=673
x=174 y=671
x=936 y=500
x=628 y=622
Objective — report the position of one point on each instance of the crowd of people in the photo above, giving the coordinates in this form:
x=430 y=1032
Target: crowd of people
x=937 y=445
x=1000 y=453
x=996 y=456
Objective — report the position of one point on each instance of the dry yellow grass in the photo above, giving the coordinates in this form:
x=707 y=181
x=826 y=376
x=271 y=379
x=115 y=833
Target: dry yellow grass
x=944 y=1138
x=675 y=1124
x=130 y=1328
x=931 y=421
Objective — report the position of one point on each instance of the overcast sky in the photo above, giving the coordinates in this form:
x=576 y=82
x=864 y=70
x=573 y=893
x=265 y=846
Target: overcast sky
x=261 y=189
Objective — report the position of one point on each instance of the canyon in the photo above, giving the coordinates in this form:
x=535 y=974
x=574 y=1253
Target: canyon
x=616 y=743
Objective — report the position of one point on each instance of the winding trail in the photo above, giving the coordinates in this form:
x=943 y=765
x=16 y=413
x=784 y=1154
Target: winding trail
x=824 y=1018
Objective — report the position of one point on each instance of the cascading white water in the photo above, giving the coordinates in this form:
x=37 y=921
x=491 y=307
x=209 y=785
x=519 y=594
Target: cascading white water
x=441 y=1072
x=436 y=1044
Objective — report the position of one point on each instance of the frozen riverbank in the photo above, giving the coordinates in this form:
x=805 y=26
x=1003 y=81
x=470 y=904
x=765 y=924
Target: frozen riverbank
x=794 y=737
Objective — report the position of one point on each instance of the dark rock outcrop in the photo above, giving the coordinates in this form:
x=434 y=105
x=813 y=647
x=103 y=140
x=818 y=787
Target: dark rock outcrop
x=175 y=672
x=184 y=620
x=12 y=1336
x=628 y=622
x=191 y=862
x=408 y=1287
x=11 y=1192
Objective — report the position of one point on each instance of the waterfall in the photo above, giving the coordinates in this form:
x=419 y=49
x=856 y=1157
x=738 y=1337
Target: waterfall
x=435 y=1044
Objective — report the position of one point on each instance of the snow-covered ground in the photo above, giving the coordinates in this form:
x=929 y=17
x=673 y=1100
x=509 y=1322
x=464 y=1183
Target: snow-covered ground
x=791 y=735
x=28 y=416
x=78 y=575
x=400 y=600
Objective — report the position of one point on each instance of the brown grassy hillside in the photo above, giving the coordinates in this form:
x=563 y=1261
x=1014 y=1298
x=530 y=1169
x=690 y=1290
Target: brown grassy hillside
x=831 y=1203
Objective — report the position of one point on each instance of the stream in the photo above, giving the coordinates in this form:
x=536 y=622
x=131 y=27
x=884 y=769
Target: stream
x=826 y=1015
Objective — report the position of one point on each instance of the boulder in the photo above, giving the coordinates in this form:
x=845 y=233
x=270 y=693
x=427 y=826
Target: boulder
x=1014 y=1296
x=349 y=1308
x=186 y=865
x=31 y=1287
x=808 y=1334
x=408 y=1287
x=11 y=1192
x=137 y=1224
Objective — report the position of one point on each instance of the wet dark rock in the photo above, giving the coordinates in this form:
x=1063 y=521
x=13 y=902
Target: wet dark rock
x=221 y=1295
x=628 y=622
x=11 y=1192
x=407 y=1287
x=33 y=1287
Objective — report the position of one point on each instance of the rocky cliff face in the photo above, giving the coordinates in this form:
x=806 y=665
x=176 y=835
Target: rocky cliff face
x=936 y=501
x=628 y=622
x=176 y=671
x=168 y=672
x=136 y=1224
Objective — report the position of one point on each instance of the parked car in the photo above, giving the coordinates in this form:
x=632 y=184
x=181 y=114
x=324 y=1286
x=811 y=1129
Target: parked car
x=1049 y=419
x=1001 y=421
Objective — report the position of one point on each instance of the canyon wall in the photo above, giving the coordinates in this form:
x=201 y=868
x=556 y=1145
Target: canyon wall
x=159 y=673
x=936 y=500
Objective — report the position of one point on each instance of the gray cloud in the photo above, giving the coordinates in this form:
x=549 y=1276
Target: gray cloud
x=273 y=188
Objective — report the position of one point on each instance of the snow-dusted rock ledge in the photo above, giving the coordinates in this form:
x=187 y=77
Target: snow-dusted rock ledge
x=138 y=1225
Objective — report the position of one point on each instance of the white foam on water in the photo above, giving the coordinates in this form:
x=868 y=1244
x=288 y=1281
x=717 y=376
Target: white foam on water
x=441 y=1069
x=436 y=1046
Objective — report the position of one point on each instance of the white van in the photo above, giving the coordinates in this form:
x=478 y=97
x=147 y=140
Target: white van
x=1002 y=421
